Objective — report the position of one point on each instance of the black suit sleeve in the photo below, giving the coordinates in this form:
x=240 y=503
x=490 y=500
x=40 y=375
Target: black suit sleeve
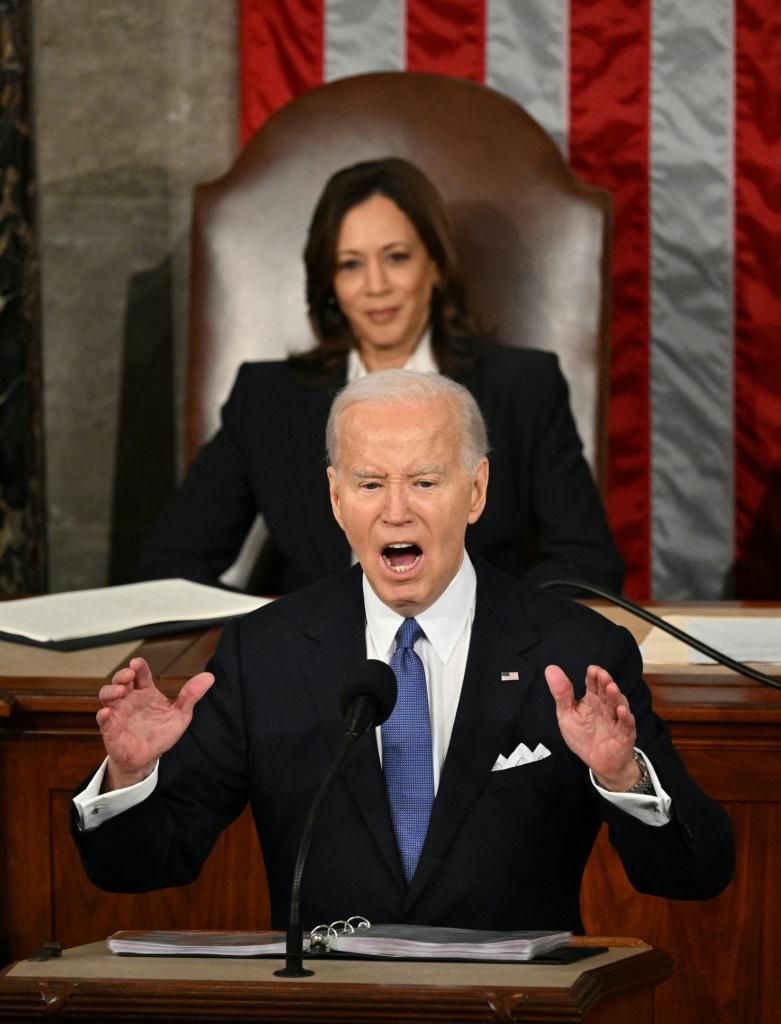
x=573 y=538
x=202 y=787
x=202 y=527
x=693 y=856
x=544 y=517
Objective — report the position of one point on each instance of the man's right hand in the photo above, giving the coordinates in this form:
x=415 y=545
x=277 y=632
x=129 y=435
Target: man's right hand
x=139 y=723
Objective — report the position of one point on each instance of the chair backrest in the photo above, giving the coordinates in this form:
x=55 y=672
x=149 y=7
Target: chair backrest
x=534 y=240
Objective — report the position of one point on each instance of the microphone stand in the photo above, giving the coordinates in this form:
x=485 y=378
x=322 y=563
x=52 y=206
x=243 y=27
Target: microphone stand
x=294 y=966
x=667 y=627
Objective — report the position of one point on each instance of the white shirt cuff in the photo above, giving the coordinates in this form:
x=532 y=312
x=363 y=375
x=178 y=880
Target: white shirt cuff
x=94 y=807
x=651 y=809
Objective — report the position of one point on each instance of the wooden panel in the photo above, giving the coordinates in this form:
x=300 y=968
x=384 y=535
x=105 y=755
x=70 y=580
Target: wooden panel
x=46 y=892
x=727 y=950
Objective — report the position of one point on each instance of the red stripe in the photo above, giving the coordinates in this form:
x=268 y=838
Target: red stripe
x=609 y=146
x=447 y=37
x=280 y=54
x=757 y=299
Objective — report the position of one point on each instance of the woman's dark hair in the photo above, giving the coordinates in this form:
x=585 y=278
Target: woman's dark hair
x=410 y=189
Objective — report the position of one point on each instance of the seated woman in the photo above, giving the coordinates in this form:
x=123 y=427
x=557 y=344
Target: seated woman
x=384 y=289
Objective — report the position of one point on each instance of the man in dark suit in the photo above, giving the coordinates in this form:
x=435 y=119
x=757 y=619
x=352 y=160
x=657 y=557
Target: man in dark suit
x=487 y=817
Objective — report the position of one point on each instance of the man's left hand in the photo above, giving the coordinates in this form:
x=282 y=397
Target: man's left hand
x=599 y=727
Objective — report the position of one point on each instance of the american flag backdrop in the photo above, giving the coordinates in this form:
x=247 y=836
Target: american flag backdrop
x=675 y=107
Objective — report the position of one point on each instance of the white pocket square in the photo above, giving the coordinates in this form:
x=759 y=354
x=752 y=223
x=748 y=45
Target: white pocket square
x=521 y=755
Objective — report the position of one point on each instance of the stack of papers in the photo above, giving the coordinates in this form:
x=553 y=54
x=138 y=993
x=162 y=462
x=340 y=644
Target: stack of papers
x=87 y=618
x=749 y=638
x=198 y=943
x=409 y=941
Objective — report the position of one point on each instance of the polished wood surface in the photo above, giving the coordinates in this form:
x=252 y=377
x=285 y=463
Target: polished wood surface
x=89 y=983
x=727 y=729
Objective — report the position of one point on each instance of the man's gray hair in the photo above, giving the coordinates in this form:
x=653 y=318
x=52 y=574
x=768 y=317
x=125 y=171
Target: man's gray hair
x=402 y=387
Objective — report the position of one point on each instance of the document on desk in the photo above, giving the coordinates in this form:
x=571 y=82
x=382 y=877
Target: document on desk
x=186 y=943
x=384 y=942
x=107 y=615
x=413 y=942
x=748 y=638
x=744 y=639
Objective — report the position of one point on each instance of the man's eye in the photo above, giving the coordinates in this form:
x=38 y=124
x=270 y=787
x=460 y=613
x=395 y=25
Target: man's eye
x=369 y=485
x=427 y=483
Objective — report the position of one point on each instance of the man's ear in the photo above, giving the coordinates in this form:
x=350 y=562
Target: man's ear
x=333 y=491
x=479 y=491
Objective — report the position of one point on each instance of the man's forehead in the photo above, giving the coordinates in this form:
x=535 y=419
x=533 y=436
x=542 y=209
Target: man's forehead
x=430 y=417
x=401 y=432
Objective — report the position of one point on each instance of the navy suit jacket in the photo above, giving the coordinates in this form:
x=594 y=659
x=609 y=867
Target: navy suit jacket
x=504 y=849
x=543 y=518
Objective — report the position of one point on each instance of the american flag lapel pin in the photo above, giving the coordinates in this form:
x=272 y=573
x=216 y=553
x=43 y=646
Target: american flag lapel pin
x=509 y=677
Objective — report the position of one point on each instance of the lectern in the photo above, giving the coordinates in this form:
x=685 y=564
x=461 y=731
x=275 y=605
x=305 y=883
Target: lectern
x=89 y=983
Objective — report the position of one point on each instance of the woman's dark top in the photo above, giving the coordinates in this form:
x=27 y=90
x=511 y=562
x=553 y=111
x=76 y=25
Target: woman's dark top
x=543 y=517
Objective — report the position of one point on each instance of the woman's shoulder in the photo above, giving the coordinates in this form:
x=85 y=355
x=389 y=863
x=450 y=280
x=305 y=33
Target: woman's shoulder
x=494 y=353
x=276 y=370
x=263 y=392
x=500 y=367
x=280 y=375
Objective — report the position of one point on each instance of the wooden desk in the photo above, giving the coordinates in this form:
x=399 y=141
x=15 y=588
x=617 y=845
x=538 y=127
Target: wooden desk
x=89 y=983
x=727 y=729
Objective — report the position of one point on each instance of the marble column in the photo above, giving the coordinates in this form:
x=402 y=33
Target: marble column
x=22 y=562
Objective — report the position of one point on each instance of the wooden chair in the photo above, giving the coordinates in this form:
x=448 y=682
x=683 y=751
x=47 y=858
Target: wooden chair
x=535 y=241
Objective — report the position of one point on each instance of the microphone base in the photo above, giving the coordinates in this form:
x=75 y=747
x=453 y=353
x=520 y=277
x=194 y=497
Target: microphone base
x=293 y=971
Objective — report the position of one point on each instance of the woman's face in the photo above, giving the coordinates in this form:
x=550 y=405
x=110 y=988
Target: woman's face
x=383 y=281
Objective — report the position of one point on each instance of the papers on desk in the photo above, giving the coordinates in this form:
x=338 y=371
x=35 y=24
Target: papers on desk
x=108 y=615
x=198 y=943
x=386 y=942
x=747 y=638
x=409 y=941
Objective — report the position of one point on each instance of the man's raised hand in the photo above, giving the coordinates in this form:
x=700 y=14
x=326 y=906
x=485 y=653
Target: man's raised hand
x=139 y=723
x=599 y=727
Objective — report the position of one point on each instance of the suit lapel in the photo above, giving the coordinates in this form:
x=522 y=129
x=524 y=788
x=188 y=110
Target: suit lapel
x=340 y=635
x=487 y=711
x=308 y=422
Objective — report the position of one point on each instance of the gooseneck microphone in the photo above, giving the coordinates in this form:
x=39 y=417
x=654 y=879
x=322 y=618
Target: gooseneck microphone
x=667 y=627
x=366 y=700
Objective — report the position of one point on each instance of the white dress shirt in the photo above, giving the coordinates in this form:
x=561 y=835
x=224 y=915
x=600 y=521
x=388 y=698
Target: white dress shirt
x=421 y=359
x=447 y=625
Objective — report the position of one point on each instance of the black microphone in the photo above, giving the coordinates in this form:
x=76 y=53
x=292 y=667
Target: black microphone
x=366 y=700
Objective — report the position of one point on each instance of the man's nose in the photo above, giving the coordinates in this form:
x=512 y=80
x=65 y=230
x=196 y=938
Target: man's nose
x=396 y=508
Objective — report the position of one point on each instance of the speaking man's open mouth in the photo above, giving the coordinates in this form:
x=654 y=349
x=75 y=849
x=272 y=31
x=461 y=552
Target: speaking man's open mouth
x=401 y=557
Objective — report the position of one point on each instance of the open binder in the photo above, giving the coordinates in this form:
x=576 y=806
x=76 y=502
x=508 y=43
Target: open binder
x=356 y=938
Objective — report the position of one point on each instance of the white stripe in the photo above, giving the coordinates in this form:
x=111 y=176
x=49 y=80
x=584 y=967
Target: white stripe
x=362 y=36
x=691 y=297
x=526 y=58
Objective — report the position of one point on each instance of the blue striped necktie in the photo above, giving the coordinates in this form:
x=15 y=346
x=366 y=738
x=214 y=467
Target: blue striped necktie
x=406 y=750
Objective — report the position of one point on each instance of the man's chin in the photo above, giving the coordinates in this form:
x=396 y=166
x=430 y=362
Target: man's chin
x=408 y=597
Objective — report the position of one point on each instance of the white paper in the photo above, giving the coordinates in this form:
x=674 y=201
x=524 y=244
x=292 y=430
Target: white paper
x=188 y=943
x=744 y=639
x=107 y=610
x=432 y=943
x=748 y=638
